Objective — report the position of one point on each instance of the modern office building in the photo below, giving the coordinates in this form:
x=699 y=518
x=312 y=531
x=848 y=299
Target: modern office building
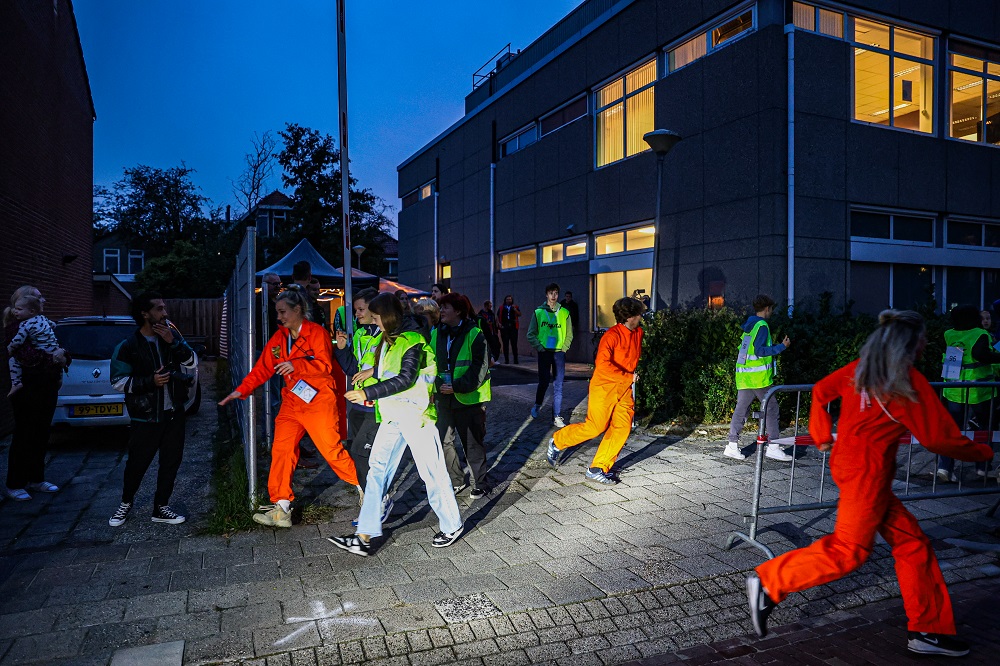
x=851 y=148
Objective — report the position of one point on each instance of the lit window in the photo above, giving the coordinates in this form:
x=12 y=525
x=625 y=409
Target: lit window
x=893 y=76
x=974 y=94
x=136 y=261
x=519 y=259
x=570 y=250
x=625 y=114
x=446 y=271
x=804 y=16
x=576 y=249
x=112 y=260
x=610 y=243
x=564 y=116
x=732 y=28
x=813 y=19
x=610 y=287
x=687 y=53
x=552 y=253
x=426 y=190
x=640 y=239
x=519 y=141
x=831 y=23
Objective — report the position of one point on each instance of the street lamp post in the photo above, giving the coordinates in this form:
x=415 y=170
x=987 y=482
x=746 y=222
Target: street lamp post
x=358 y=249
x=661 y=141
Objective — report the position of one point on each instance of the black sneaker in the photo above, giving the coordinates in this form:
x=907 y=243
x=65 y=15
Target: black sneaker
x=479 y=491
x=164 y=514
x=459 y=487
x=442 y=540
x=760 y=605
x=939 y=644
x=352 y=543
x=118 y=519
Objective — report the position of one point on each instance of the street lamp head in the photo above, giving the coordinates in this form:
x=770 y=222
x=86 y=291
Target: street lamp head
x=661 y=141
x=359 y=249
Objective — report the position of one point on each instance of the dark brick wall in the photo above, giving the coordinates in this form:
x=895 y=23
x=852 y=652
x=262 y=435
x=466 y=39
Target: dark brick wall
x=46 y=161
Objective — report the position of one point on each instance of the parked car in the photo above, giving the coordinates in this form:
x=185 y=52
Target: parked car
x=86 y=397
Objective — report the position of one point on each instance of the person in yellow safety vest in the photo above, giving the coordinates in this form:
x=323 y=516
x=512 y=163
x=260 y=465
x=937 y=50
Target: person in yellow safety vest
x=463 y=384
x=340 y=317
x=970 y=407
x=550 y=332
x=356 y=356
x=754 y=375
x=404 y=407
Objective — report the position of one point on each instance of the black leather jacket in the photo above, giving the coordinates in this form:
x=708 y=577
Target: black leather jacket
x=132 y=367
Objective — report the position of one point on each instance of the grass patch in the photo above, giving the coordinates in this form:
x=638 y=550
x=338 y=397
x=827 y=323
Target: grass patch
x=318 y=513
x=230 y=511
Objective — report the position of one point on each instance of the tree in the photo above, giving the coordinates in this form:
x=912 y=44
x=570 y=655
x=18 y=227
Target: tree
x=249 y=188
x=311 y=169
x=190 y=270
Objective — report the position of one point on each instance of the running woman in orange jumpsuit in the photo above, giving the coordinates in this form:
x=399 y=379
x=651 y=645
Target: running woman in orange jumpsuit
x=610 y=406
x=301 y=352
x=882 y=397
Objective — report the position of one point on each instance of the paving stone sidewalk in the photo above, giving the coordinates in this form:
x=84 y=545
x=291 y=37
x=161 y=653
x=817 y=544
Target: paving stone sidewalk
x=553 y=569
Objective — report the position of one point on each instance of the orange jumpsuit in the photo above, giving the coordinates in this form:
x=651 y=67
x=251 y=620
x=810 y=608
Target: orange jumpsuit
x=610 y=406
x=863 y=465
x=321 y=418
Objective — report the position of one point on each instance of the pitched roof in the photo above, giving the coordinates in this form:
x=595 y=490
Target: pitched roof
x=276 y=198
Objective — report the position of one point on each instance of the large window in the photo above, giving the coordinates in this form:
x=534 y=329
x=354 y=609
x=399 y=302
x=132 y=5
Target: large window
x=725 y=31
x=972 y=234
x=891 y=227
x=570 y=250
x=629 y=240
x=974 y=93
x=893 y=76
x=625 y=114
x=136 y=261
x=112 y=260
x=877 y=286
x=564 y=116
x=609 y=287
x=525 y=258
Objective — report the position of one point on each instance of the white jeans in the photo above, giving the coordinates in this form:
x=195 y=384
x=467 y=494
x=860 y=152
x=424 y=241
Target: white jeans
x=425 y=446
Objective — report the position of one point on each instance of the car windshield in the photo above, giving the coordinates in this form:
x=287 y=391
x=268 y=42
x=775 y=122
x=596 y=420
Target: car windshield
x=91 y=341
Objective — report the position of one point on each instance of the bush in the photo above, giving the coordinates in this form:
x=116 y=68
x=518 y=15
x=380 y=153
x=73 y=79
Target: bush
x=688 y=367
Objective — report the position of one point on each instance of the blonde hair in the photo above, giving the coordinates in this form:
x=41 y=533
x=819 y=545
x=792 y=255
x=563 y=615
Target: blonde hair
x=886 y=358
x=296 y=297
x=430 y=309
x=19 y=293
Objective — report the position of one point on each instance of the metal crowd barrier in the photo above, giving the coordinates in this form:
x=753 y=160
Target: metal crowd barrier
x=816 y=490
x=241 y=309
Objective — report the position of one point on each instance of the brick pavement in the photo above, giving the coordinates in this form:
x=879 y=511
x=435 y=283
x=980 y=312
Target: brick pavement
x=552 y=570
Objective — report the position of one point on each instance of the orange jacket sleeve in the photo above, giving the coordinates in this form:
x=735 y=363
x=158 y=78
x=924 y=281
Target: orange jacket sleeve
x=263 y=369
x=933 y=426
x=824 y=392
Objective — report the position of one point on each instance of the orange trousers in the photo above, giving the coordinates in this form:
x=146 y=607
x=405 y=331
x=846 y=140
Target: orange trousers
x=607 y=413
x=321 y=419
x=859 y=517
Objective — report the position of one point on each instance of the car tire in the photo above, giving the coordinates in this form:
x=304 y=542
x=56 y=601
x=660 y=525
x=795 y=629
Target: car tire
x=196 y=405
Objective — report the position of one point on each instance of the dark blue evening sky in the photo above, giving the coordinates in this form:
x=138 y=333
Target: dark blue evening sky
x=192 y=80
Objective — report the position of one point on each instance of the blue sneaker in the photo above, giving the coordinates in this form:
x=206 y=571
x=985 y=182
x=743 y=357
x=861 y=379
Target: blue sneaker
x=599 y=475
x=552 y=453
x=535 y=411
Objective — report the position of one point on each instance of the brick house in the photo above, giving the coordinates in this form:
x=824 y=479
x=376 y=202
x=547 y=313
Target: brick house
x=46 y=160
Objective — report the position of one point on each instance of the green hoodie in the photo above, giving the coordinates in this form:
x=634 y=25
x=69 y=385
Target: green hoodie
x=550 y=329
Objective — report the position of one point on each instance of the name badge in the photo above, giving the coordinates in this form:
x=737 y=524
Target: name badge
x=952 y=366
x=304 y=391
x=550 y=343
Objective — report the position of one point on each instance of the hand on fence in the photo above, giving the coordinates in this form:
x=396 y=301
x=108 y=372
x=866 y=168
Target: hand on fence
x=235 y=395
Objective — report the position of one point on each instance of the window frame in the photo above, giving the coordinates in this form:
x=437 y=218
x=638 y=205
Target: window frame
x=517 y=252
x=621 y=77
x=531 y=127
x=560 y=108
x=704 y=31
x=116 y=253
x=140 y=255
x=540 y=257
x=892 y=214
x=624 y=231
x=982 y=233
x=984 y=76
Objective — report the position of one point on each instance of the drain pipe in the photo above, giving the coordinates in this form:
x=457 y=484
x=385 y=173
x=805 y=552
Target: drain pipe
x=493 y=229
x=437 y=256
x=790 y=206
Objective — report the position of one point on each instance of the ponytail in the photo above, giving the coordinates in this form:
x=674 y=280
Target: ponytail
x=886 y=358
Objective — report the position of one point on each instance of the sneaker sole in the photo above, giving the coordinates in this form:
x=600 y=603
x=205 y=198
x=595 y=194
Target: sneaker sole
x=919 y=647
x=113 y=523
x=734 y=456
x=453 y=539
x=753 y=593
x=169 y=521
x=347 y=548
x=261 y=519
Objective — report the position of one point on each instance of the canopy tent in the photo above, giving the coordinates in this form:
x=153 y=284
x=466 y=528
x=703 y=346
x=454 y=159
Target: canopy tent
x=325 y=272
x=391 y=287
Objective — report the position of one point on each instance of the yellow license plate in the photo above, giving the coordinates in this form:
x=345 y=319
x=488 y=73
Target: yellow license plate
x=112 y=409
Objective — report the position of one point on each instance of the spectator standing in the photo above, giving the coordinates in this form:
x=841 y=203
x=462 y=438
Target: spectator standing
x=573 y=308
x=882 y=396
x=428 y=310
x=356 y=356
x=463 y=385
x=610 y=406
x=438 y=290
x=404 y=407
x=509 y=319
x=154 y=367
x=34 y=330
x=550 y=332
x=969 y=407
x=754 y=375
x=301 y=352
x=33 y=407
x=489 y=325
x=315 y=309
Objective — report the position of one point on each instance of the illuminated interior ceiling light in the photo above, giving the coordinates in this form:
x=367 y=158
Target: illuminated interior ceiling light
x=885 y=111
x=970 y=85
x=963 y=120
x=906 y=71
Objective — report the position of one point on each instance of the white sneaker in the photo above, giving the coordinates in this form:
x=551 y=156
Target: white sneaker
x=558 y=422
x=733 y=451
x=944 y=477
x=774 y=452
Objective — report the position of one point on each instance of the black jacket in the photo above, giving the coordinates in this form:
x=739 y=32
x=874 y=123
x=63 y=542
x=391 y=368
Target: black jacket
x=132 y=367
x=479 y=369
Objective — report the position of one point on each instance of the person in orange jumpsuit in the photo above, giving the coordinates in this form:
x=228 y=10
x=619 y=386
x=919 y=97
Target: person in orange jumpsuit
x=311 y=402
x=610 y=406
x=882 y=397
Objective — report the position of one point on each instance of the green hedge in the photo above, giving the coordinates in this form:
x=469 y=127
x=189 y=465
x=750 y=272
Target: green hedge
x=687 y=371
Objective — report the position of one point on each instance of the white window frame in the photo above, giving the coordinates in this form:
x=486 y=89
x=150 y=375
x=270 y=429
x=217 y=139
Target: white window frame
x=516 y=136
x=655 y=59
x=892 y=227
x=140 y=255
x=982 y=236
x=566 y=259
x=516 y=252
x=112 y=252
x=705 y=32
x=624 y=231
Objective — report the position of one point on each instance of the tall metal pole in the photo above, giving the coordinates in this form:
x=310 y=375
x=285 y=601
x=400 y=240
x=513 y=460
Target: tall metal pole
x=345 y=177
x=653 y=303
